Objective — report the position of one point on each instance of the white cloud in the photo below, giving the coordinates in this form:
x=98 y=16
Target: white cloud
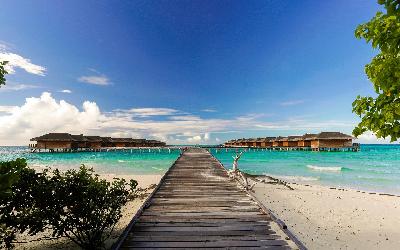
x=185 y=118
x=66 y=91
x=7 y=109
x=17 y=87
x=250 y=117
x=146 y=112
x=369 y=137
x=209 y=110
x=3 y=47
x=291 y=103
x=194 y=139
x=44 y=114
x=17 y=61
x=96 y=80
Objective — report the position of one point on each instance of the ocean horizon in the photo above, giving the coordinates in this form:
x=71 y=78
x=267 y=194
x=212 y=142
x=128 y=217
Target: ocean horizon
x=375 y=168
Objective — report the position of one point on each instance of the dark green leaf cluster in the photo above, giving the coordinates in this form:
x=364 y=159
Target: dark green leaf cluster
x=381 y=115
x=9 y=175
x=76 y=204
x=3 y=72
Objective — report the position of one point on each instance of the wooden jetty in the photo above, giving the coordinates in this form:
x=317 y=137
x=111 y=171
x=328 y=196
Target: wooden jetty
x=196 y=205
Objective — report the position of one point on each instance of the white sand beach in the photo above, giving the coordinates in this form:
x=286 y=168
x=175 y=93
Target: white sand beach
x=321 y=217
x=144 y=181
x=327 y=218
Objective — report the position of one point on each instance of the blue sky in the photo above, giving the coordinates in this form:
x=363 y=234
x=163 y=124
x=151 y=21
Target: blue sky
x=182 y=71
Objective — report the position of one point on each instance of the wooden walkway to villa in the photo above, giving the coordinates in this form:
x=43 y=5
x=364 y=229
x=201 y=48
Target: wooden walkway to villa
x=196 y=205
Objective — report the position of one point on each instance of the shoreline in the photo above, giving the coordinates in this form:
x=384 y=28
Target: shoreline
x=340 y=188
x=332 y=218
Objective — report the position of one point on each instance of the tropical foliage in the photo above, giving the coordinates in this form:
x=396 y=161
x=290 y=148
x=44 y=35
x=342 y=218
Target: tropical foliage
x=381 y=114
x=76 y=204
x=3 y=72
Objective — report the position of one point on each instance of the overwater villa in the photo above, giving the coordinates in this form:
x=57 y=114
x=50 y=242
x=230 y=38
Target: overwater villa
x=293 y=141
x=275 y=141
x=67 y=142
x=331 y=140
x=305 y=140
x=324 y=141
x=282 y=142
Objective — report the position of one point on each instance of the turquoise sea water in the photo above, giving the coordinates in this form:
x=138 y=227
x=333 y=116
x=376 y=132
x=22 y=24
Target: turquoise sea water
x=127 y=162
x=374 y=168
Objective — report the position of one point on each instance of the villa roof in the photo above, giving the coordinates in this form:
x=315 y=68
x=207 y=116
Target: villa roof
x=294 y=138
x=138 y=140
x=106 y=139
x=278 y=138
x=79 y=138
x=54 y=137
x=283 y=139
x=94 y=138
x=333 y=135
x=309 y=136
x=153 y=141
x=269 y=139
x=122 y=140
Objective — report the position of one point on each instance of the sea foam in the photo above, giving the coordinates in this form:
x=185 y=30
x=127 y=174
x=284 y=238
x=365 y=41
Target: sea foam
x=325 y=169
x=293 y=178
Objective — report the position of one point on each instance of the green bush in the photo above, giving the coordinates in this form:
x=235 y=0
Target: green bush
x=10 y=173
x=76 y=204
x=86 y=208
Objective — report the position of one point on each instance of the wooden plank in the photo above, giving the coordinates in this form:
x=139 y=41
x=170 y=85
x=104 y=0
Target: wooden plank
x=221 y=243
x=194 y=248
x=206 y=233
x=198 y=206
x=202 y=224
x=150 y=237
x=200 y=213
x=172 y=228
x=177 y=219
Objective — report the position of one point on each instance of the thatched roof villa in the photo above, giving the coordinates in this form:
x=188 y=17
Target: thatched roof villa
x=94 y=141
x=331 y=140
x=252 y=142
x=242 y=142
x=106 y=142
x=293 y=140
x=305 y=140
x=268 y=141
x=54 y=140
x=67 y=142
x=276 y=140
x=283 y=142
x=321 y=141
x=260 y=142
